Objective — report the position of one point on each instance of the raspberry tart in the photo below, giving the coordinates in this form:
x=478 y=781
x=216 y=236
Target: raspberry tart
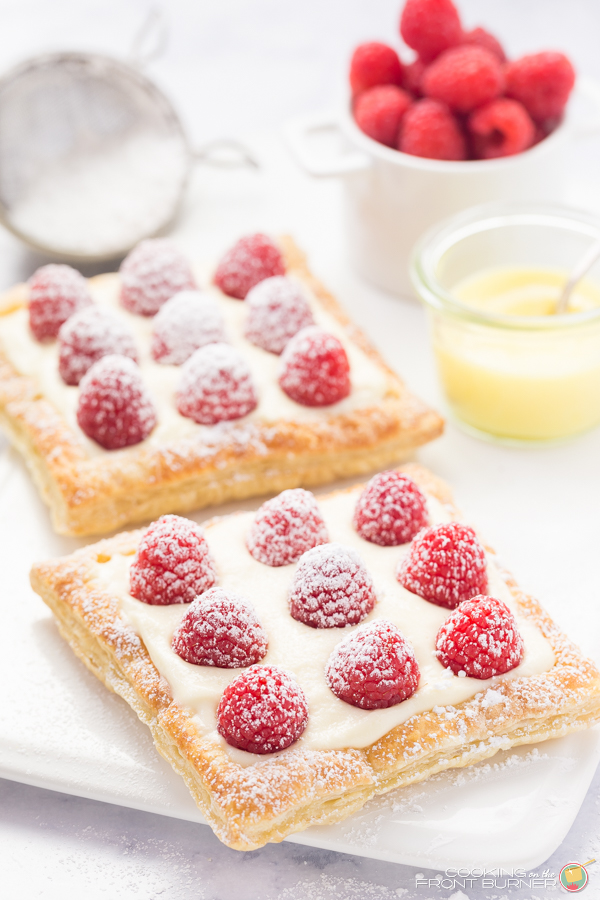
x=292 y=688
x=247 y=381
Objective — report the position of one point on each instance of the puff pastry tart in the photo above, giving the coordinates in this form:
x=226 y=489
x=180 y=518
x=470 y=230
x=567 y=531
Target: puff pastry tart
x=292 y=663
x=136 y=394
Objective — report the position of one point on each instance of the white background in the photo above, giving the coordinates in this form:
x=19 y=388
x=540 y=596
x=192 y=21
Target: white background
x=238 y=68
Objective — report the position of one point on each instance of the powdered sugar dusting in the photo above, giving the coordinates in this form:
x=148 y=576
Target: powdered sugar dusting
x=114 y=408
x=262 y=711
x=216 y=385
x=374 y=668
x=391 y=510
x=314 y=368
x=172 y=563
x=151 y=274
x=331 y=588
x=187 y=321
x=286 y=527
x=55 y=293
x=87 y=336
x=481 y=639
x=221 y=629
x=277 y=310
x=445 y=565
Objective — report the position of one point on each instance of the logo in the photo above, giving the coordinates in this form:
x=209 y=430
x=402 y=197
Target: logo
x=574 y=877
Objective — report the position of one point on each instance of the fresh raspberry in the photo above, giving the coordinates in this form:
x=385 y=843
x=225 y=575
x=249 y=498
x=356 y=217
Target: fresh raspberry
x=480 y=638
x=374 y=668
x=87 y=336
x=390 y=510
x=482 y=38
x=215 y=386
x=220 y=629
x=254 y=258
x=286 y=527
x=430 y=130
x=55 y=293
x=331 y=588
x=378 y=112
x=277 y=310
x=413 y=75
x=189 y=320
x=542 y=82
x=430 y=27
x=445 y=565
x=464 y=77
x=151 y=274
x=372 y=64
x=262 y=710
x=314 y=368
x=501 y=128
x=172 y=563
x=114 y=408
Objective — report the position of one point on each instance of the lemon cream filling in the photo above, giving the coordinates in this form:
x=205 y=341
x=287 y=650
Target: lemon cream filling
x=40 y=361
x=332 y=723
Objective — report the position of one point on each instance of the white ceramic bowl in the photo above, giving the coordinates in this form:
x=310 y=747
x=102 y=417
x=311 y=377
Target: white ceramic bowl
x=391 y=198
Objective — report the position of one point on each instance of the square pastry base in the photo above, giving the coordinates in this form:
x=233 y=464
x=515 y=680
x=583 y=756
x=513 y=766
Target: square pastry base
x=554 y=692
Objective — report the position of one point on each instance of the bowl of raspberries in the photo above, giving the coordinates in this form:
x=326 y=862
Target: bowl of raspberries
x=460 y=98
x=457 y=126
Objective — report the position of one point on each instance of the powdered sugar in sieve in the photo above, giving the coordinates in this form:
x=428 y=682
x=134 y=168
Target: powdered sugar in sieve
x=93 y=157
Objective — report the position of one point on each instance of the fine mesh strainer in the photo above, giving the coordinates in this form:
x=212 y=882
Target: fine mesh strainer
x=93 y=157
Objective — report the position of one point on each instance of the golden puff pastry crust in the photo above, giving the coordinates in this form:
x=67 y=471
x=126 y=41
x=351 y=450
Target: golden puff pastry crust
x=90 y=494
x=248 y=806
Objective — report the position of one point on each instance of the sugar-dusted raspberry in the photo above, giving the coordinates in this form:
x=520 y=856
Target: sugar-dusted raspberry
x=501 y=128
x=286 y=527
x=480 y=638
x=87 y=336
x=445 y=565
x=172 y=564
x=331 y=588
x=378 y=112
x=464 y=77
x=114 y=407
x=430 y=130
x=55 y=293
x=542 y=82
x=314 y=368
x=215 y=386
x=220 y=629
x=263 y=710
x=277 y=310
x=151 y=274
x=482 y=38
x=391 y=510
x=254 y=258
x=189 y=320
x=430 y=27
x=372 y=64
x=413 y=75
x=373 y=668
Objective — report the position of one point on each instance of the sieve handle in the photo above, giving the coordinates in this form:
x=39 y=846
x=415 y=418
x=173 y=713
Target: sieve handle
x=151 y=39
x=225 y=154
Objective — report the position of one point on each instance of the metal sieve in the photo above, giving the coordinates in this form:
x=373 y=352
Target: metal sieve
x=93 y=157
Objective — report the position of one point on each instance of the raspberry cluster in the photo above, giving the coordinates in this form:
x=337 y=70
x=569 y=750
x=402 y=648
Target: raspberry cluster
x=263 y=709
x=97 y=350
x=460 y=98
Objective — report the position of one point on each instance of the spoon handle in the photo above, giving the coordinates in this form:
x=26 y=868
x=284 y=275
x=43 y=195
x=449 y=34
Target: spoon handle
x=579 y=270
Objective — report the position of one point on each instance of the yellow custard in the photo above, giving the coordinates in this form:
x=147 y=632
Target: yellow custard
x=515 y=377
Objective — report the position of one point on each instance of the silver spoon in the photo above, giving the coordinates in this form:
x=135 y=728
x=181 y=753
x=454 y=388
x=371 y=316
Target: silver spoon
x=577 y=272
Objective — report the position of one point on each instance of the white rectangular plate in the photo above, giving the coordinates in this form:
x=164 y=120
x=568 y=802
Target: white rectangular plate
x=61 y=729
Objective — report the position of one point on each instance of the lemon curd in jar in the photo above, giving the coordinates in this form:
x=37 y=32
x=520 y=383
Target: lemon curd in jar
x=521 y=373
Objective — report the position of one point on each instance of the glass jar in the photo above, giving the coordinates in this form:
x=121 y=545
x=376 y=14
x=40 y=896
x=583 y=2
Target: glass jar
x=512 y=378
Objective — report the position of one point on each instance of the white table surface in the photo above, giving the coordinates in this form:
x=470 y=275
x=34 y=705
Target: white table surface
x=238 y=68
